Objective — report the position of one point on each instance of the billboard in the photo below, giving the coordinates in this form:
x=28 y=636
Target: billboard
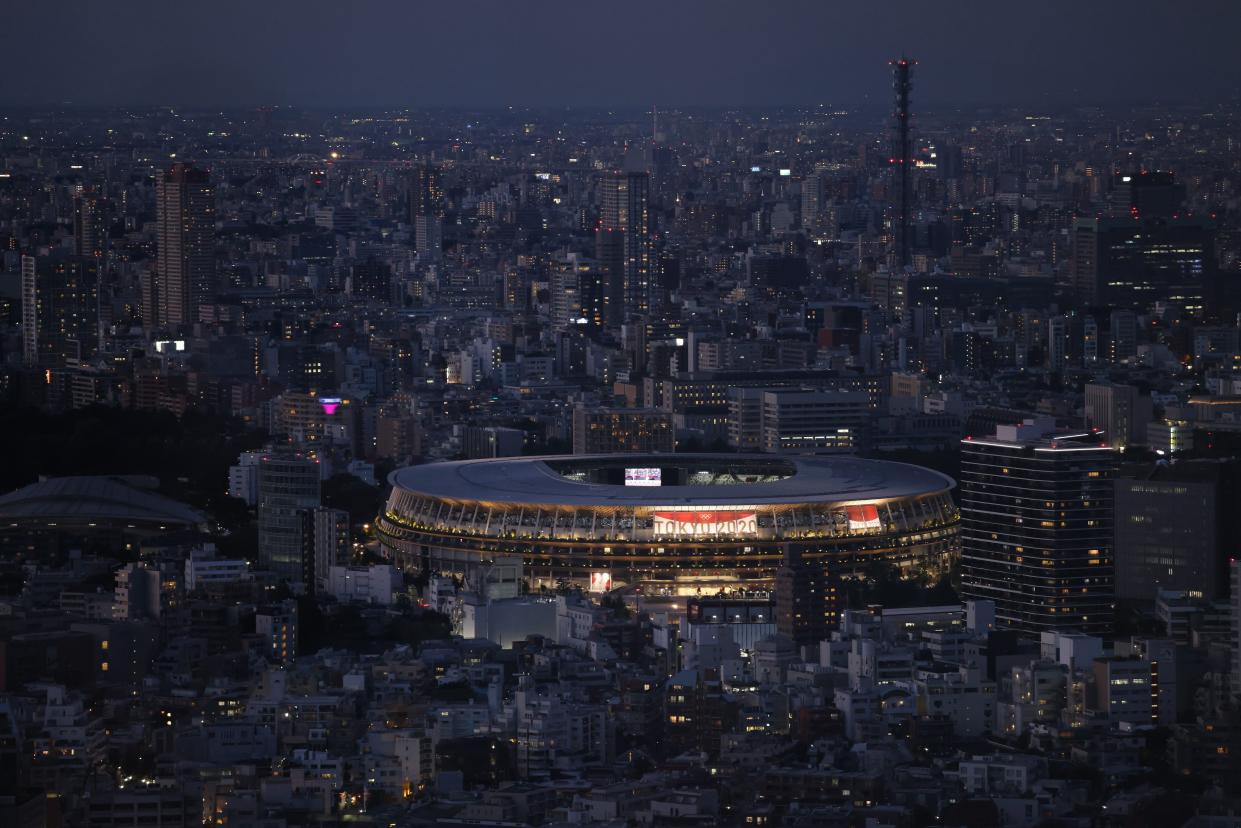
x=600 y=581
x=865 y=516
x=643 y=477
x=742 y=521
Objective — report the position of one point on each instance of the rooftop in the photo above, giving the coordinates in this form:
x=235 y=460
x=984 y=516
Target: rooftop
x=103 y=498
x=544 y=480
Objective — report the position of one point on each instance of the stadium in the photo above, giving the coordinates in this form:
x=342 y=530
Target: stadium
x=670 y=523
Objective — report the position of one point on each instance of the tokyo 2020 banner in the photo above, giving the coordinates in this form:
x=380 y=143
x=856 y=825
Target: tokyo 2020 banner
x=706 y=522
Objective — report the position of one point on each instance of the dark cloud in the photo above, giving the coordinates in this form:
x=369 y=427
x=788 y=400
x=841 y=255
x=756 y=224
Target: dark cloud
x=578 y=52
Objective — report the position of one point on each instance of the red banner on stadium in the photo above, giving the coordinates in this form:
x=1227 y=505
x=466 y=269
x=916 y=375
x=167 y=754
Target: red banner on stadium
x=865 y=516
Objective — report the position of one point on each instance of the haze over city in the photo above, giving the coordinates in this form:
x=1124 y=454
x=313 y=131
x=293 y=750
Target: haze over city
x=479 y=53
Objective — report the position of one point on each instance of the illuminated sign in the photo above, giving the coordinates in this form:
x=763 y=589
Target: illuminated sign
x=740 y=521
x=865 y=516
x=786 y=172
x=165 y=345
x=600 y=581
x=643 y=477
x=330 y=404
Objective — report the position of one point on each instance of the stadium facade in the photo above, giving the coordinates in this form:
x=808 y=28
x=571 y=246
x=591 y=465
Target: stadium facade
x=670 y=523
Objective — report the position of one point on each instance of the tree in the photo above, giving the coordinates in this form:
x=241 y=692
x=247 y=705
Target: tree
x=360 y=499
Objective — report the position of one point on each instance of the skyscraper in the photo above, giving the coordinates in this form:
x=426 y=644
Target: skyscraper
x=1148 y=193
x=1085 y=262
x=325 y=544
x=30 y=312
x=811 y=200
x=1036 y=528
x=1174 y=528
x=185 y=262
x=288 y=486
x=1134 y=261
x=429 y=236
x=623 y=244
x=1120 y=412
x=60 y=310
x=426 y=210
x=90 y=235
x=576 y=294
x=426 y=197
x=1122 y=341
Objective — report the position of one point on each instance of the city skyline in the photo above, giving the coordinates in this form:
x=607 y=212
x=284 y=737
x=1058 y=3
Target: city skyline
x=634 y=465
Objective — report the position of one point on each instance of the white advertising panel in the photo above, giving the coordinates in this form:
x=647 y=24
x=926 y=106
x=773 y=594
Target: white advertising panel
x=643 y=477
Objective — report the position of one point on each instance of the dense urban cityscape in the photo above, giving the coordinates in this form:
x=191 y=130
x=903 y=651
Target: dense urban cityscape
x=864 y=466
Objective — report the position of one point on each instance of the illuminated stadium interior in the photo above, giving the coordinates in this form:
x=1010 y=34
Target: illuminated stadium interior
x=682 y=524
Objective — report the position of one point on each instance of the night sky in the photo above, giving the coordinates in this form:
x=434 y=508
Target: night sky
x=590 y=52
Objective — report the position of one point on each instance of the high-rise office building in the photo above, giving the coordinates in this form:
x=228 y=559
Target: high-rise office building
x=429 y=236
x=60 y=310
x=371 y=279
x=610 y=430
x=288 y=486
x=890 y=293
x=426 y=194
x=577 y=292
x=491 y=441
x=1136 y=261
x=1122 y=340
x=1084 y=266
x=811 y=200
x=185 y=260
x=1120 y=412
x=1092 y=352
x=1037 y=527
x=325 y=544
x=1147 y=193
x=30 y=311
x=426 y=210
x=623 y=244
x=1059 y=343
x=90 y=232
x=397 y=435
x=798 y=420
x=807 y=599
x=1174 y=528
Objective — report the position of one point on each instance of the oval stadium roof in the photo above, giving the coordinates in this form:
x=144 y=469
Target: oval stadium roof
x=814 y=479
x=91 y=499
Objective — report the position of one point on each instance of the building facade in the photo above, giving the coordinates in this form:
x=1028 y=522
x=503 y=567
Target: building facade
x=185 y=261
x=612 y=430
x=1036 y=528
x=287 y=487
